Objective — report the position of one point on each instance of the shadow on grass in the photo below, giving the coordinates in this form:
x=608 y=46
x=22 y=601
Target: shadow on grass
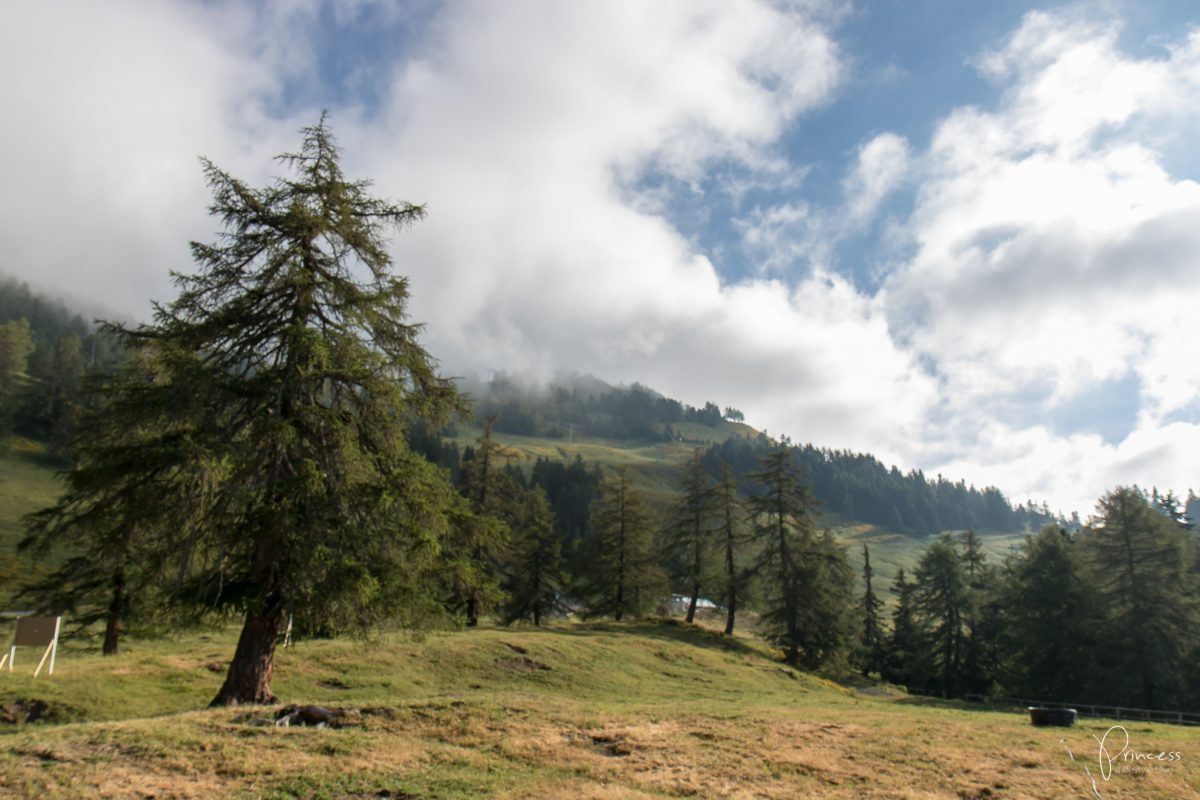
x=922 y=701
x=659 y=628
x=38 y=457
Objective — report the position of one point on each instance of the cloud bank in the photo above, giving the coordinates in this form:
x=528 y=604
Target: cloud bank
x=1042 y=255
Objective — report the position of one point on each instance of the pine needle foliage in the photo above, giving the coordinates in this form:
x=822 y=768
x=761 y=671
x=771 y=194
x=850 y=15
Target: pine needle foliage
x=806 y=578
x=535 y=564
x=271 y=450
x=622 y=578
x=688 y=533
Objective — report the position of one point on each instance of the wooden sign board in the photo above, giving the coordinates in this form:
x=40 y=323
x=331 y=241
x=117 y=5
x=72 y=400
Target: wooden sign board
x=35 y=632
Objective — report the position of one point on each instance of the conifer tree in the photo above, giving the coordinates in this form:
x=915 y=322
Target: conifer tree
x=535 y=568
x=688 y=532
x=1050 y=616
x=874 y=651
x=622 y=577
x=902 y=644
x=978 y=614
x=806 y=578
x=940 y=602
x=478 y=543
x=278 y=480
x=728 y=510
x=1139 y=564
x=111 y=511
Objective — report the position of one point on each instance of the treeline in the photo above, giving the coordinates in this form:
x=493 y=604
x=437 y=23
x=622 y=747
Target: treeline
x=1107 y=615
x=565 y=538
x=598 y=410
x=858 y=486
x=46 y=353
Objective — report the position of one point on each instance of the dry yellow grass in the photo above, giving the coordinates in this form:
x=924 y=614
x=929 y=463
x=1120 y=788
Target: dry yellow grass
x=623 y=711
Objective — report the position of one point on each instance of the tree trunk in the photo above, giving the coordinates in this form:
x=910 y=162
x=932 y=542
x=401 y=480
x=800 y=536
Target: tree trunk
x=116 y=612
x=249 y=676
x=691 y=615
x=730 y=572
x=472 y=611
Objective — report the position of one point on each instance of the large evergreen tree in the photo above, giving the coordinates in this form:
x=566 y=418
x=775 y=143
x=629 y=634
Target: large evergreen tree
x=979 y=614
x=806 y=579
x=940 y=609
x=535 y=570
x=622 y=577
x=1139 y=563
x=902 y=644
x=874 y=646
x=1050 y=632
x=480 y=540
x=735 y=575
x=688 y=532
x=110 y=529
x=289 y=368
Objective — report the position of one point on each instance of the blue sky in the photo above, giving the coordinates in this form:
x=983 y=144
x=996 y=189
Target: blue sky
x=961 y=236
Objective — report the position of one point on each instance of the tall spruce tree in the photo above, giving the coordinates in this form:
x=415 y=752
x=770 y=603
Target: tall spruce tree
x=109 y=531
x=289 y=369
x=806 y=579
x=874 y=647
x=1139 y=564
x=736 y=575
x=622 y=577
x=482 y=538
x=535 y=567
x=902 y=644
x=940 y=608
x=688 y=532
x=979 y=614
x=1050 y=635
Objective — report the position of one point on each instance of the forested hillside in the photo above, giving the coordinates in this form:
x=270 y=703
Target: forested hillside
x=46 y=350
x=854 y=486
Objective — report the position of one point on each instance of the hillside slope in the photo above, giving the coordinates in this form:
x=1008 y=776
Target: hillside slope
x=657 y=470
x=27 y=484
x=572 y=711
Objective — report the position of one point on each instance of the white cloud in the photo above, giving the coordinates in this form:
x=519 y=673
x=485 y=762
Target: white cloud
x=880 y=165
x=539 y=254
x=1055 y=253
x=1053 y=245
x=107 y=107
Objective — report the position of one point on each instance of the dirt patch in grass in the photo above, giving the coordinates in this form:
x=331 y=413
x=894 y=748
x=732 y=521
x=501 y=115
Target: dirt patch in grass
x=21 y=711
x=522 y=664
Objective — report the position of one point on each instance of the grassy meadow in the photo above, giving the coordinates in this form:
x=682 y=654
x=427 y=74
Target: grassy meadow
x=641 y=710
x=637 y=710
x=27 y=484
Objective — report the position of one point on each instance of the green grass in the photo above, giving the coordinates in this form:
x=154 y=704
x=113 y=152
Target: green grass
x=892 y=551
x=649 y=709
x=27 y=484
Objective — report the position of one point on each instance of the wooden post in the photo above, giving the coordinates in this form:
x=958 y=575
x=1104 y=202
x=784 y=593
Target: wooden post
x=42 y=663
x=54 y=644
